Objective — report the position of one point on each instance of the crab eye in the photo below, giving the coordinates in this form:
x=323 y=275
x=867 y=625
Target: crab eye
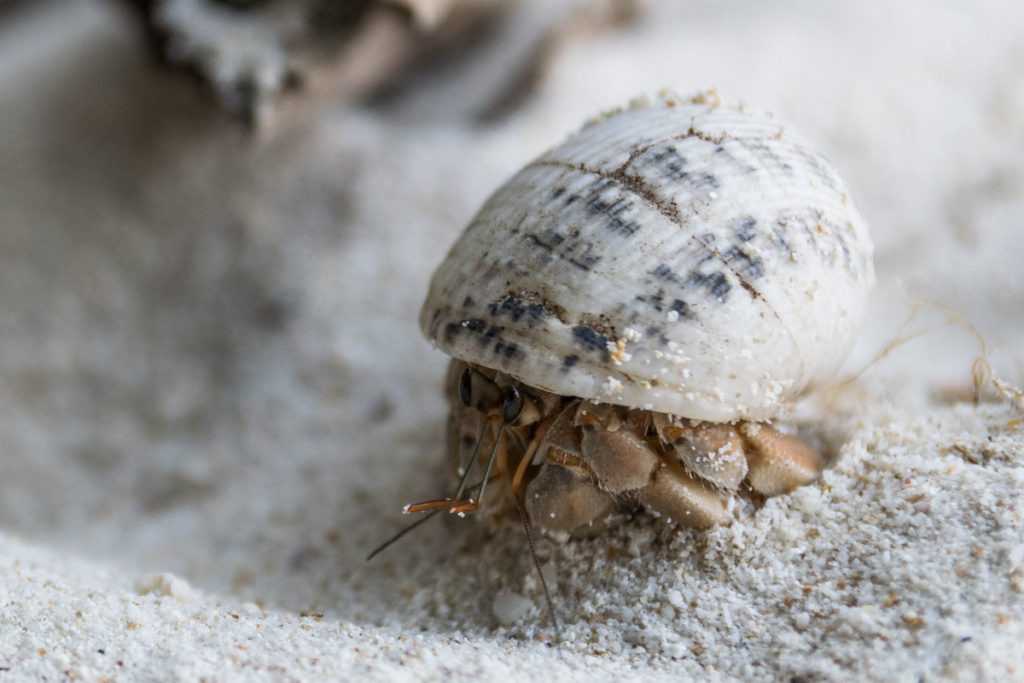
x=477 y=391
x=518 y=410
x=512 y=406
x=465 y=387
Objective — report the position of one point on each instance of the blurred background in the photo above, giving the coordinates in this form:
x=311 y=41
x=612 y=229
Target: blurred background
x=218 y=219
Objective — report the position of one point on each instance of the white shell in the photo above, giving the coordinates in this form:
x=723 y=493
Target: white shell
x=680 y=255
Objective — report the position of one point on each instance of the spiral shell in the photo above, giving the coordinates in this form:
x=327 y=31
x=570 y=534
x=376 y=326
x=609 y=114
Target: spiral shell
x=679 y=255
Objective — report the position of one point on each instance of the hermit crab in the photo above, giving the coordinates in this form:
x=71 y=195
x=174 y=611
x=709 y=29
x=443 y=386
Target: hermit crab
x=627 y=314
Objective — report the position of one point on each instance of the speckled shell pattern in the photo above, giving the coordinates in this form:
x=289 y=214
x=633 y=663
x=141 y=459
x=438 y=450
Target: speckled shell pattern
x=678 y=255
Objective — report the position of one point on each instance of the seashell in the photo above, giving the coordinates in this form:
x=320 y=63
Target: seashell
x=650 y=292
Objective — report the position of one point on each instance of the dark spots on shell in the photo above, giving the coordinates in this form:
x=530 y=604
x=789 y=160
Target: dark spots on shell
x=771 y=158
x=601 y=323
x=533 y=305
x=487 y=336
x=704 y=181
x=743 y=263
x=590 y=340
x=779 y=239
x=609 y=206
x=708 y=251
x=439 y=314
x=515 y=309
x=665 y=272
x=711 y=267
x=604 y=201
x=468 y=302
x=733 y=161
x=618 y=181
x=451 y=330
x=682 y=308
x=744 y=228
x=472 y=326
x=716 y=283
x=740 y=258
x=653 y=300
x=510 y=266
x=493 y=333
x=508 y=350
x=569 y=246
x=658 y=301
x=671 y=164
x=569 y=361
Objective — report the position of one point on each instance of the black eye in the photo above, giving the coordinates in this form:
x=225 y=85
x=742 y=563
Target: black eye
x=513 y=405
x=477 y=391
x=466 y=387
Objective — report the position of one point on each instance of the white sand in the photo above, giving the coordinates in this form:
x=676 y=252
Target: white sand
x=215 y=398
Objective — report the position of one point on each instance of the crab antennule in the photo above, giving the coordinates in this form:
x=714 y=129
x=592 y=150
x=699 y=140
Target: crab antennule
x=428 y=505
x=490 y=466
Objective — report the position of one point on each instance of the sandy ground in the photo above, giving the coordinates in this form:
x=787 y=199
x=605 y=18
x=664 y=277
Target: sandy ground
x=214 y=398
